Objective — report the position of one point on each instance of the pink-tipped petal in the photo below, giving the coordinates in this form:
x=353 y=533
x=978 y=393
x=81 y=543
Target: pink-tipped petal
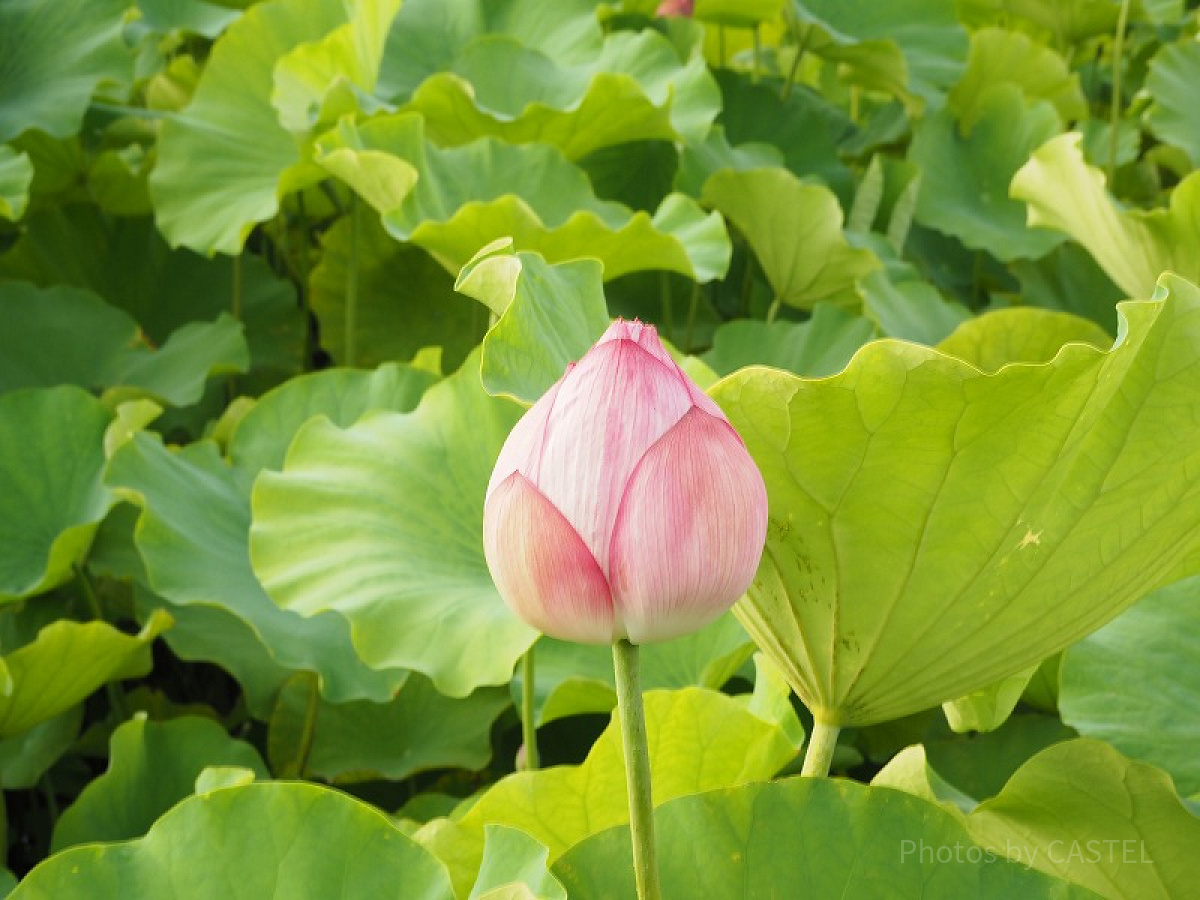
x=542 y=568
x=523 y=447
x=645 y=336
x=690 y=532
x=613 y=406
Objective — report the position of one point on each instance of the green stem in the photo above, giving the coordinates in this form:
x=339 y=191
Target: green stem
x=1115 y=111
x=637 y=769
x=303 y=274
x=693 y=308
x=350 y=339
x=773 y=310
x=528 y=725
x=801 y=46
x=721 y=46
x=818 y=755
x=754 y=75
x=668 y=313
x=116 y=699
x=747 y=283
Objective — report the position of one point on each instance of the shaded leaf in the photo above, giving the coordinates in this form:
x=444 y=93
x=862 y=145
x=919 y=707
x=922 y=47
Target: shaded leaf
x=816 y=348
x=51 y=495
x=63 y=335
x=1130 y=683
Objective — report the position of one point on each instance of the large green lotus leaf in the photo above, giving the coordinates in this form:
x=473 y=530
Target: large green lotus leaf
x=406 y=301
x=25 y=757
x=261 y=437
x=55 y=55
x=698 y=740
x=16 y=174
x=578 y=678
x=927 y=32
x=549 y=315
x=319 y=81
x=795 y=231
x=379 y=523
x=934 y=528
x=193 y=537
x=152 y=766
x=1020 y=335
x=427 y=35
x=63 y=335
x=639 y=174
x=513 y=860
x=1133 y=247
x=968 y=195
x=126 y=261
x=806 y=837
x=51 y=495
x=635 y=88
x=804 y=127
x=1173 y=117
x=816 y=348
x=1132 y=683
x=998 y=56
x=468 y=196
x=1083 y=812
x=416 y=731
x=224 y=161
x=65 y=663
x=270 y=839
x=1067 y=22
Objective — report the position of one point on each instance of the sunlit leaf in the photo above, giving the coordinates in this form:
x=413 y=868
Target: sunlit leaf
x=814 y=837
x=298 y=840
x=378 y=524
x=152 y=766
x=1020 y=335
x=16 y=174
x=65 y=663
x=548 y=317
x=698 y=740
x=795 y=230
x=914 y=498
x=1083 y=812
x=193 y=536
x=1133 y=247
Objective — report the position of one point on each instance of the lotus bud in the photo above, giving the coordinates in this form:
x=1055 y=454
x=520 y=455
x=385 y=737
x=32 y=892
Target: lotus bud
x=623 y=504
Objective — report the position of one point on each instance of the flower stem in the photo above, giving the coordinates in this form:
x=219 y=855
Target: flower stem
x=528 y=726
x=637 y=769
x=350 y=338
x=1115 y=109
x=818 y=755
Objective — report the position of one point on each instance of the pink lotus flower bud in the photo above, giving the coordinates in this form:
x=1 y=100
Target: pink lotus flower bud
x=674 y=8
x=623 y=504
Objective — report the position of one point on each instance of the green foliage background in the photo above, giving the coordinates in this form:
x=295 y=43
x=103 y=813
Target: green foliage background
x=276 y=280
